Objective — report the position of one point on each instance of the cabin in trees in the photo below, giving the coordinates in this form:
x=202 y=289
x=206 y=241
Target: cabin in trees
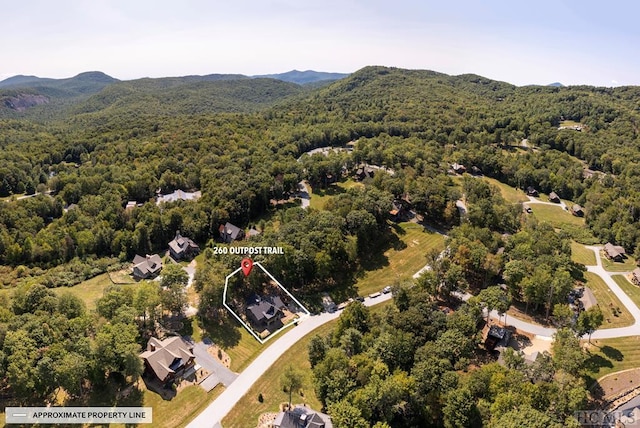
x=146 y=267
x=475 y=170
x=458 y=168
x=230 y=233
x=400 y=210
x=178 y=195
x=264 y=312
x=553 y=197
x=364 y=172
x=302 y=417
x=614 y=252
x=167 y=359
x=182 y=248
x=531 y=191
x=577 y=210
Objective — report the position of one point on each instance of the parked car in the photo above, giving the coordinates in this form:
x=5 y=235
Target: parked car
x=386 y=290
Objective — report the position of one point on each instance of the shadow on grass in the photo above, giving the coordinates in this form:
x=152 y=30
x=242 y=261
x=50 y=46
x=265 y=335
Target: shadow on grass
x=331 y=190
x=595 y=362
x=223 y=332
x=612 y=353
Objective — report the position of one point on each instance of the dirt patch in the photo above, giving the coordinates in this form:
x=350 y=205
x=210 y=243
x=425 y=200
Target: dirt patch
x=218 y=353
x=619 y=384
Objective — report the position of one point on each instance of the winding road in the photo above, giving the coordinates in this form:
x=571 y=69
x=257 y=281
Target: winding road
x=222 y=405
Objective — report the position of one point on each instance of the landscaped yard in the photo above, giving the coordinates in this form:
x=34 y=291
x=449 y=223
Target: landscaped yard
x=583 y=255
x=615 y=314
x=627 y=265
x=400 y=263
x=632 y=290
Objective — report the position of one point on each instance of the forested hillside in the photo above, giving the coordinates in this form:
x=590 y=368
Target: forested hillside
x=238 y=141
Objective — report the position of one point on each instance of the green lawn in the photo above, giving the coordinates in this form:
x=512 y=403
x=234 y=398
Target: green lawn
x=403 y=260
x=247 y=411
x=509 y=193
x=581 y=254
x=555 y=215
x=612 y=355
x=608 y=302
x=632 y=290
x=627 y=265
x=89 y=291
x=319 y=197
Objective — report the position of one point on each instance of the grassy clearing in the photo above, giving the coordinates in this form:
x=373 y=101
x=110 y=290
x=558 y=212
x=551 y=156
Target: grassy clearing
x=583 y=255
x=509 y=193
x=178 y=412
x=555 y=215
x=608 y=303
x=247 y=411
x=400 y=262
x=627 y=265
x=319 y=197
x=633 y=291
x=612 y=355
x=89 y=291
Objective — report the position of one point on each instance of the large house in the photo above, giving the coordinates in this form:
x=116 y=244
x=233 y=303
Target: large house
x=146 y=267
x=181 y=247
x=302 y=417
x=553 y=197
x=265 y=312
x=614 y=252
x=230 y=233
x=178 y=195
x=166 y=359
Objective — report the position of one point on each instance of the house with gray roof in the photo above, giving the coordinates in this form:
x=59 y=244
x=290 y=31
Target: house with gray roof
x=146 y=267
x=264 y=312
x=182 y=247
x=302 y=417
x=178 y=195
x=166 y=359
x=230 y=233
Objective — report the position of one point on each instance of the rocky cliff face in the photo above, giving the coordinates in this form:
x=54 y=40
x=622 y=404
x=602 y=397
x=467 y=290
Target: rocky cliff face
x=21 y=102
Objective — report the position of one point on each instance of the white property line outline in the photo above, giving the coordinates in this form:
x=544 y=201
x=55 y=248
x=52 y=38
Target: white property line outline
x=245 y=325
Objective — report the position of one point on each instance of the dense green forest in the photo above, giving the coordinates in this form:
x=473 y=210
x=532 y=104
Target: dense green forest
x=82 y=156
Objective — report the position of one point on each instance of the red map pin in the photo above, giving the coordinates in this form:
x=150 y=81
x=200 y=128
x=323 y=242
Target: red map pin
x=247 y=265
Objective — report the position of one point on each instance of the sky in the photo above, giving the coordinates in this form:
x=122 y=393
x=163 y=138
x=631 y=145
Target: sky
x=520 y=42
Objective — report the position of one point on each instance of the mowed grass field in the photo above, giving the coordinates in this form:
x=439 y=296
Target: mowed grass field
x=319 y=197
x=555 y=215
x=632 y=290
x=247 y=411
x=510 y=194
x=612 y=355
x=581 y=254
x=88 y=291
x=401 y=262
x=608 y=303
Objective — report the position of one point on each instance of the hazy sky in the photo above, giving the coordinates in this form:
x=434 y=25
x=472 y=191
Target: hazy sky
x=573 y=42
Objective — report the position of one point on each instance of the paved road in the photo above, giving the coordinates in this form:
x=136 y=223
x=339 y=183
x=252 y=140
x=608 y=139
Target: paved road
x=222 y=405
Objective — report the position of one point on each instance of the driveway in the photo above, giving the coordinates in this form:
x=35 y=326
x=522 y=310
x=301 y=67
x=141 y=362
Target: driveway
x=303 y=194
x=221 y=373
